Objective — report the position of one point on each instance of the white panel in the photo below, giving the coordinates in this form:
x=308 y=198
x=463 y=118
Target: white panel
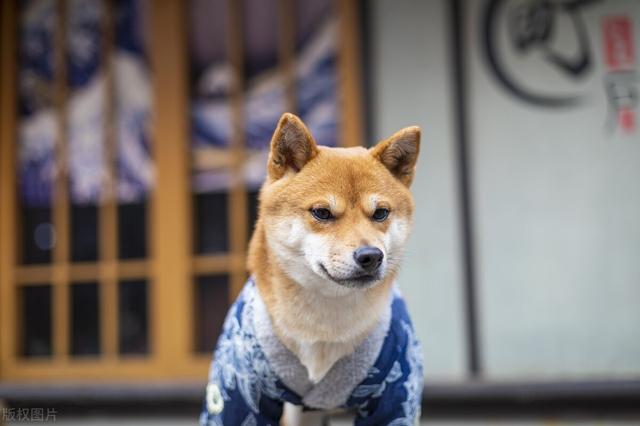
x=411 y=86
x=557 y=202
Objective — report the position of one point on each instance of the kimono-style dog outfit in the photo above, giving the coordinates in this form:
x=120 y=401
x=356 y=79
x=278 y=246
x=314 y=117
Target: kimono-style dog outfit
x=253 y=373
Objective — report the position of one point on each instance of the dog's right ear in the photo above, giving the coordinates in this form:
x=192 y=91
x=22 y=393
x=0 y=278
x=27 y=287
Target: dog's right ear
x=292 y=146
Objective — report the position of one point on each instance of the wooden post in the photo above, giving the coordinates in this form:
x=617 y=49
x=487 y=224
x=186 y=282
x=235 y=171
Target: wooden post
x=108 y=213
x=171 y=287
x=349 y=74
x=8 y=193
x=237 y=209
x=60 y=276
x=287 y=52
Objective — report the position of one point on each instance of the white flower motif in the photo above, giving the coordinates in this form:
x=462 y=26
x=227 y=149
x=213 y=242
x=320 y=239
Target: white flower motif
x=215 y=403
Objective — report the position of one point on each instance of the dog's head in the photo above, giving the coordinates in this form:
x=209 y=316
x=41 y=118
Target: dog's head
x=337 y=218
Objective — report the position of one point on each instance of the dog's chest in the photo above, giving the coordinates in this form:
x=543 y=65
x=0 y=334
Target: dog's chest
x=320 y=332
x=319 y=357
x=323 y=373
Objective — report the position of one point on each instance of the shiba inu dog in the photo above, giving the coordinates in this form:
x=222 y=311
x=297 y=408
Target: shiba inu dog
x=320 y=323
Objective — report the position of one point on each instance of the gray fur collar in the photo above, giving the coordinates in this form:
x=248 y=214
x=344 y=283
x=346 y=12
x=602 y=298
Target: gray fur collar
x=336 y=386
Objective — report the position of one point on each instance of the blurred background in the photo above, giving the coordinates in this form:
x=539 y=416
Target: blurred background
x=133 y=140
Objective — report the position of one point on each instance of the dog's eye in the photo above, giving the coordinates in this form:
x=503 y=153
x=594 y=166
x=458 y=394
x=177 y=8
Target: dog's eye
x=322 y=214
x=380 y=215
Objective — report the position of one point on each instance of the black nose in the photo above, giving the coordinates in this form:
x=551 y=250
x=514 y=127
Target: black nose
x=369 y=258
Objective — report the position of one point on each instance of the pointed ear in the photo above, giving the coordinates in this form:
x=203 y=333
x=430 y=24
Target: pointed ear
x=399 y=153
x=292 y=146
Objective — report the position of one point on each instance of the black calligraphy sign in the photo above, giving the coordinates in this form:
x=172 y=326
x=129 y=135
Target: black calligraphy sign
x=531 y=27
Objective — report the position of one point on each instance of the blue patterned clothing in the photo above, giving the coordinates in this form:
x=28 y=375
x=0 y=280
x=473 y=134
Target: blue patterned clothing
x=245 y=388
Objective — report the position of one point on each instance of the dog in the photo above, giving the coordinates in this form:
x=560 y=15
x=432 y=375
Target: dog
x=320 y=323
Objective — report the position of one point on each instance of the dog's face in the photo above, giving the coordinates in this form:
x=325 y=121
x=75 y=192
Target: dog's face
x=336 y=218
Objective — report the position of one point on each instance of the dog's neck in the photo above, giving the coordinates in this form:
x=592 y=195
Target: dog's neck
x=318 y=324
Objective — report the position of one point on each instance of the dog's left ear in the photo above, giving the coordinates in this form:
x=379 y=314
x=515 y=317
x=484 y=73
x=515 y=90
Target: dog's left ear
x=292 y=146
x=399 y=153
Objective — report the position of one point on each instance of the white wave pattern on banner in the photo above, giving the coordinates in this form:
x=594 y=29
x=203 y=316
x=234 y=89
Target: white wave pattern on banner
x=316 y=77
x=133 y=95
x=36 y=137
x=316 y=85
x=86 y=136
x=85 y=114
x=37 y=126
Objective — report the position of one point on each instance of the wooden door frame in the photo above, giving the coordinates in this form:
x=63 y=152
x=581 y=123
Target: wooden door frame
x=171 y=266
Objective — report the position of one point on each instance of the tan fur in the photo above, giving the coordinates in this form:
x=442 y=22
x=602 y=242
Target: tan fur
x=317 y=318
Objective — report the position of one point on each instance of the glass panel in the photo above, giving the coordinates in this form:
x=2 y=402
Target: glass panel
x=252 y=216
x=211 y=301
x=135 y=171
x=316 y=69
x=38 y=234
x=36 y=320
x=211 y=78
x=37 y=128
x=211 y=223
x=133 y=322
x=132 y=230
x=85 y=118
x=265 y=98
x=84 y=238
x=264 y=83
x=85 y=314
x=210 y=83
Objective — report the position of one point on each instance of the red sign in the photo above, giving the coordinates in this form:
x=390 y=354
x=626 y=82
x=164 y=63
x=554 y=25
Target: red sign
x=627 y=120
x=620 y=62
x=619 y=51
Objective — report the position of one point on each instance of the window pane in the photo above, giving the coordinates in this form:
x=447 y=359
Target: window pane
x=133 y=98
x=210 y=85
x=37 y=128
x=263 y=79
x=264 y=85
x=211 y=235
x=211 y=301
x=84 y=228
x=38 y=235
x=316 y=69
x=133 y=317
x=211 y=78
x=36 y=320
x=132 y=230
x=85 y=117
x=85 y=314
x=252 y=216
